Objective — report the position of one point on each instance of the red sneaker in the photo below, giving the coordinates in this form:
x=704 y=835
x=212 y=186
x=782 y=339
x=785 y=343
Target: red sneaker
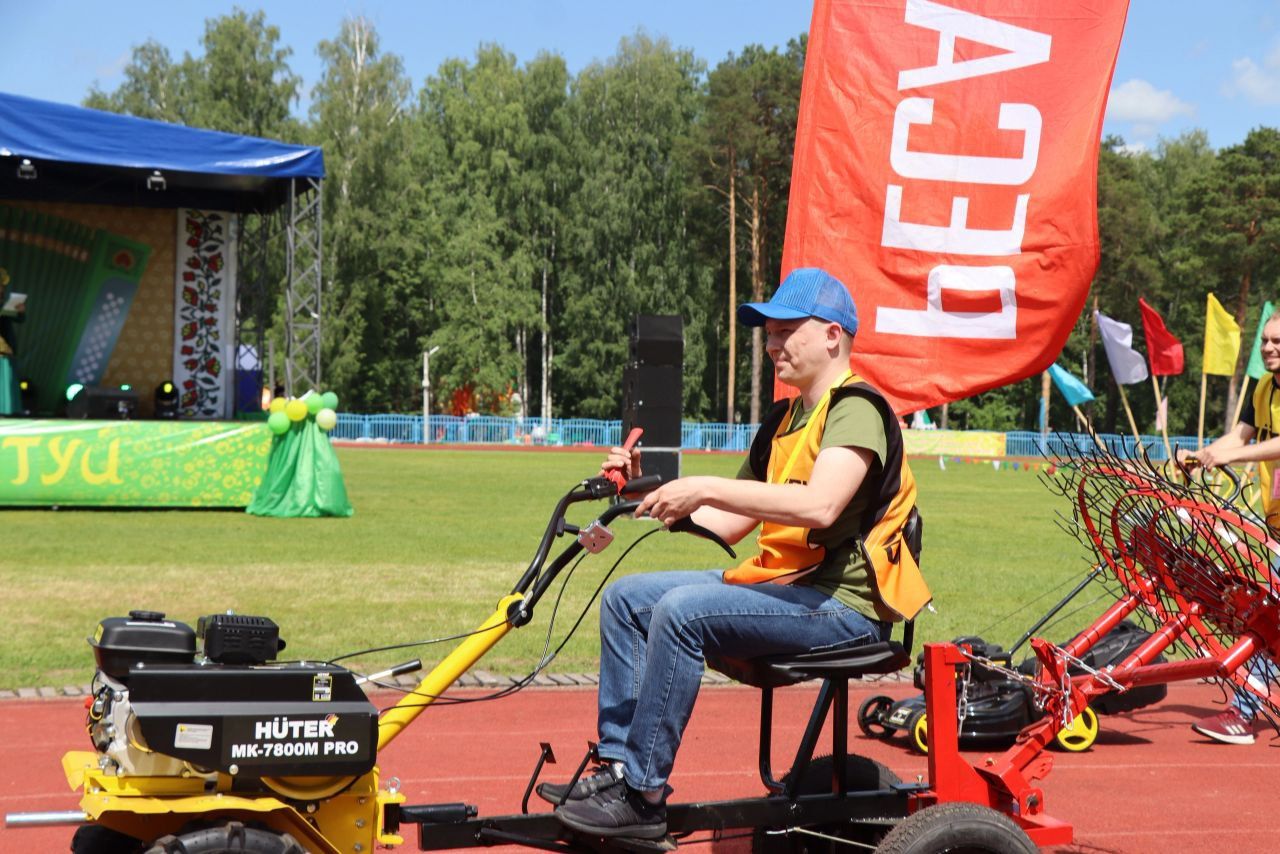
x=1230 y=727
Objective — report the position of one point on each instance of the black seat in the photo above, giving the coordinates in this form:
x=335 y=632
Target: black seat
x=835 y=667
x=775 y=671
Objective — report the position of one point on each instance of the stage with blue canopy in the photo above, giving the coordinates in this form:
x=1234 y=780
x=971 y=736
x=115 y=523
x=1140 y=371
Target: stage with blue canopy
x=148 y=256
x=91 y=156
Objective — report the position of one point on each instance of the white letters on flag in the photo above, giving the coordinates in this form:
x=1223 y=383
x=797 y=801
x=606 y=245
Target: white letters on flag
x=945 y=170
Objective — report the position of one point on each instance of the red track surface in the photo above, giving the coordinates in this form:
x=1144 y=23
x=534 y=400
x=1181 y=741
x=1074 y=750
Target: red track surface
x=1148 y=785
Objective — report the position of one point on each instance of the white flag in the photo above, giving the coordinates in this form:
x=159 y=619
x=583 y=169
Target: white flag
x=1128 y=366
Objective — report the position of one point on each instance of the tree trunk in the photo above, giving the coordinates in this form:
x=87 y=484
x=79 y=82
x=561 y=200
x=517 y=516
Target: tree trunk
x=757 y=295
x=1242 y=309
x=1091 y=357
x=547 y=347
x=731 y=392
x=522 y=369
x=544 y=407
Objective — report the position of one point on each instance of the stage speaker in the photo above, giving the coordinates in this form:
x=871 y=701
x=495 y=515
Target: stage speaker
x=653 y=390
x=101 y=403
x=657 y=339
x=651 y=400
x=665 y=463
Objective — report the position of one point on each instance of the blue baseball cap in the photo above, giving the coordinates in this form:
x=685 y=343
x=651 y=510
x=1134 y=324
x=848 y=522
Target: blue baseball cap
x=806 y=292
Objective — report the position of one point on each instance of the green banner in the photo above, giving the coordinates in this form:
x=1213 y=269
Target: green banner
x=131 y=463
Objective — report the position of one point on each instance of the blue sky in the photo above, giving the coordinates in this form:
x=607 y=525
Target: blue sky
x=1183 y=63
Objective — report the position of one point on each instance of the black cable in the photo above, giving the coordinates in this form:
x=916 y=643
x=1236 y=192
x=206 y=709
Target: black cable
x=1016 y=611
x=427 y=642
x=524 y=681
x=408 y=645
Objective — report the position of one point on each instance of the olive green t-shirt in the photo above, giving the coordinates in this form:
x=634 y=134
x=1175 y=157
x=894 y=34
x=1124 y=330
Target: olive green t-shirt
x=853 y=422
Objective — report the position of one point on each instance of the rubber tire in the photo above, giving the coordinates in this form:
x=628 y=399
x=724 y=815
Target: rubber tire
x=957 y=828
x=99 y=839
x=918 y=732
x=871 y=717
x=861 y=775
x=1081 y=736
x=229 y=838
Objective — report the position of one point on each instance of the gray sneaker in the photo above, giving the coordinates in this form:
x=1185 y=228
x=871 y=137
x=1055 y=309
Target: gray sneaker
x=603 y=776
x=616 y=811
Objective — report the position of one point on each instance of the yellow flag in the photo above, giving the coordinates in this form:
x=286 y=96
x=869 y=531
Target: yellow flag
x=1221 y=340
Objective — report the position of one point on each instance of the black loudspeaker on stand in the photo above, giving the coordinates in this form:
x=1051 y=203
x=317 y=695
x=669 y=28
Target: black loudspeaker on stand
x=653 y=390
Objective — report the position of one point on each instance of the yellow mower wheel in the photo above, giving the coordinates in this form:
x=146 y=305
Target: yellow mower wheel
x=1082 y=733
x=919 y=729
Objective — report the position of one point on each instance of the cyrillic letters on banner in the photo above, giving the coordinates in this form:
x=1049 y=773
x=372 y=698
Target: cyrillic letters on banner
x=945 y=170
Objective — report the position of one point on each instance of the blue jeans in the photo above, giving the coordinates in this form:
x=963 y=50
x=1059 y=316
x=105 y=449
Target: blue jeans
x=1261 y=672
x=656 y=630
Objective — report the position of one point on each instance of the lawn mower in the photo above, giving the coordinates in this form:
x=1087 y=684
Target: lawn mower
x=218 y=747
x=997 y=702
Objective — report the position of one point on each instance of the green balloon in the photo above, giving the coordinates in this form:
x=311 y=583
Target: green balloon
x=278 y=422
x=326 y=419
x=314 y=403
x=330 y=400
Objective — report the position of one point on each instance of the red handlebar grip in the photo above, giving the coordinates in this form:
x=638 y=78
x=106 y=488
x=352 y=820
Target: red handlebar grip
x=616 y=477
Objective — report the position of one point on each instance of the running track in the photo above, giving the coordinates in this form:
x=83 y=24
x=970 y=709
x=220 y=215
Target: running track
x=1148 y=785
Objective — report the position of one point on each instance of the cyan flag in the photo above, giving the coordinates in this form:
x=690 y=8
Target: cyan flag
x=1072 y=389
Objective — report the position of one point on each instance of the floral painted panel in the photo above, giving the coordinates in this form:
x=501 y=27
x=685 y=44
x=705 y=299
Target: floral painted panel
x=204 y=313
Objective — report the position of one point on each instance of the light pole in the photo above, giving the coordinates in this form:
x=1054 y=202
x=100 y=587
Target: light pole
x=426 y=394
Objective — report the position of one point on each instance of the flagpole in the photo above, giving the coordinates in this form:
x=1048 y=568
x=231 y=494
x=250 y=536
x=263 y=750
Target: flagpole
x=1164 y=424
x=1045 y=382
x=1235 y=419
x=1088 y=427
x=1133 y=425
x=1084 y=422
x=1204 y=387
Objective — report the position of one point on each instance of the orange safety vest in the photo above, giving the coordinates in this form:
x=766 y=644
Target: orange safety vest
x=786 y=554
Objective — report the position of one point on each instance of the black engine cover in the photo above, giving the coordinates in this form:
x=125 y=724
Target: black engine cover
x=271 y=720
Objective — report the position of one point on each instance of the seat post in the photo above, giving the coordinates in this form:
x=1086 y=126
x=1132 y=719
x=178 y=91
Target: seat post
x=766 y=741
x=809 y=741
x=840 y=734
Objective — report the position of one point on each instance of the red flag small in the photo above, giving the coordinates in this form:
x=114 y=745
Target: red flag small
x=1164 y=351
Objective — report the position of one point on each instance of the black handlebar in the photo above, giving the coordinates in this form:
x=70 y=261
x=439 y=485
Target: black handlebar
x=1236 y=484
x=688 y=526
x=646 y=483
x=535 y=580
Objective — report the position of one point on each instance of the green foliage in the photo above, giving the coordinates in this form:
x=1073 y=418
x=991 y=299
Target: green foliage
x=519 y=216
x=242 y=82
x=626 y=249
x=359 y=116
x=153 y=88
x=437 y=538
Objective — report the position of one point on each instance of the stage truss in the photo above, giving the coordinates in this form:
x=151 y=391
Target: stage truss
x=282 y=252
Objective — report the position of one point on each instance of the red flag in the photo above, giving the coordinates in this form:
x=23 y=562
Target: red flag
x=945 y=170
x=1163 y=350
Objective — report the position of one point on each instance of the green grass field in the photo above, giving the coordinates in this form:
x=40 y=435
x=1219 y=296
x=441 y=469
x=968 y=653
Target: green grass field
x=438 y=537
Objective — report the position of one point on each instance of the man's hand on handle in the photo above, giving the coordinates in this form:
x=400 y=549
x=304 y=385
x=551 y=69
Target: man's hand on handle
x=622 y=460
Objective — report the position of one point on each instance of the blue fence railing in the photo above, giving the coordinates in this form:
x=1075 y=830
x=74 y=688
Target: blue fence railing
x=1032 y=444
x=493 y=430
x=694 y=435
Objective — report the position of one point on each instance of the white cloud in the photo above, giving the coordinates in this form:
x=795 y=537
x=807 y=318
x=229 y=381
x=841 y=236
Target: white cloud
x=1138 y=101
x=1257 y=83
x=1132 y=148
x=114 y=67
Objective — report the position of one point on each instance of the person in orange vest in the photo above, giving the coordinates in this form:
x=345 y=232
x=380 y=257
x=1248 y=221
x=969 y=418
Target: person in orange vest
x=828 y=485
